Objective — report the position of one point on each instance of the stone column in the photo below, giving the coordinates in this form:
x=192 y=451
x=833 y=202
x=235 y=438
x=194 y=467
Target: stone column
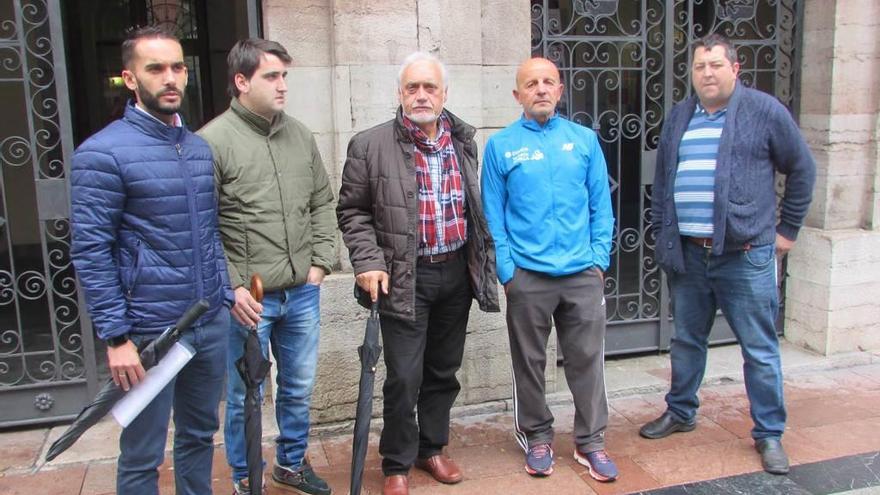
x=833 y=293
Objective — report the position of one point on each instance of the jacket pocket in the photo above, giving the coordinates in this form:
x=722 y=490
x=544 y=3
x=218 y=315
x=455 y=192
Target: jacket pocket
x=135 y=271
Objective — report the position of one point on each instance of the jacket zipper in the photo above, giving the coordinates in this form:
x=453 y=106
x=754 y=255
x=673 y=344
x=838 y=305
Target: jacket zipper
x=194 y=222
x=136 y=269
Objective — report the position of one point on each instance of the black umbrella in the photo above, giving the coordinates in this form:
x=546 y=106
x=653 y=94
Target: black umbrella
x=111 y=393
x=369 y=354
x=253 y=367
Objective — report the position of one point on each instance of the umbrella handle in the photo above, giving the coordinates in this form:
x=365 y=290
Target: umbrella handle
x=374 y=309
x=191 y=315
x=257 y=288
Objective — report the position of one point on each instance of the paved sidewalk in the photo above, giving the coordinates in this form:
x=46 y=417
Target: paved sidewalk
x=833 y=404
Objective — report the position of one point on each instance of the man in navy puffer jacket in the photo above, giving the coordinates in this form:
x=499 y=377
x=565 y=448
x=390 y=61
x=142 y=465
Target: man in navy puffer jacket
x=145 y=247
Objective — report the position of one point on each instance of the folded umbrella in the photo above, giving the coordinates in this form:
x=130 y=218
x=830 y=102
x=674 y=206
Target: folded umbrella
x=369 y=354
x=110 y=393
x=253 y=367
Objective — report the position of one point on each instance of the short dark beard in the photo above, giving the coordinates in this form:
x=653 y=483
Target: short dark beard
x=151 y=102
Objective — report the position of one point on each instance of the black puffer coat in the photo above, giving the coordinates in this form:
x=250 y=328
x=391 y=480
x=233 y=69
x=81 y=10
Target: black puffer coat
x=378 y=210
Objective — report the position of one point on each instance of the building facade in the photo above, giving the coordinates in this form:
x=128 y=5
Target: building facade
x=625 y=64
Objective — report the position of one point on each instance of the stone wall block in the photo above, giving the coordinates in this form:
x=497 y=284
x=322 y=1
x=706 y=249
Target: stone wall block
x=373 y=95
x=499 y=106
x=866 y=338
x=856 y=261
x=815 y=73
x=857 y=58
x=816 y=214
x=847 y=201
x=481 y=138
x=464 y=93
x=506 y=31
x=342 y=331
x=852 y=130
x=303 y=27
x=344 y=259
x=326 y=147
x=855 y=246
x=451 y=30
x=810 y=259
x=485 y=372
x=486 y=367
x=376 y=32
x=874 y=206
x=819 y=15
x=807 y=326
x=810 y=293
x=855 y=317
x=342 y=140
x=814 y=128
x=314 y=107
x=342 y=98
x=862 y=296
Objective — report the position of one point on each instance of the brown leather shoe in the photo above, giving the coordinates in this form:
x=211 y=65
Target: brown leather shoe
x=442 y=468
x=396 y=484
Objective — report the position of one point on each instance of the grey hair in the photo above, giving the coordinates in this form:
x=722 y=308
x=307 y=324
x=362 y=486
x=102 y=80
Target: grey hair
x=419 y=57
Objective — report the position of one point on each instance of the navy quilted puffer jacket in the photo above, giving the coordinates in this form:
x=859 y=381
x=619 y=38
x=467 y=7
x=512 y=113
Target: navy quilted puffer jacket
x=144 y=224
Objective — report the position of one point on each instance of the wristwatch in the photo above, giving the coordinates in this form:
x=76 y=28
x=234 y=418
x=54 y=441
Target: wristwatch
x=117 y=340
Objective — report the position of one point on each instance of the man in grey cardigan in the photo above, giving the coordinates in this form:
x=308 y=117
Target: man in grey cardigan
x=718 y=236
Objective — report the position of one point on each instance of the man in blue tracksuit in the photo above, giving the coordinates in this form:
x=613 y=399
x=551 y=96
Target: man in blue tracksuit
x=146 y=246
x=548 y=204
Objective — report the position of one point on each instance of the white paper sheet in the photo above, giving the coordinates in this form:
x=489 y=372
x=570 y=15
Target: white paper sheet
x=140 y=396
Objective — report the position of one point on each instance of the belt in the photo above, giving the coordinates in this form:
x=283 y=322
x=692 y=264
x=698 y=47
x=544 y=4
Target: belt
x=439 y=258
x=706 y=243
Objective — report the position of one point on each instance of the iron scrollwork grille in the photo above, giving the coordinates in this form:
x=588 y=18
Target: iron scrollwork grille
x=41 y=338
x=624 y=65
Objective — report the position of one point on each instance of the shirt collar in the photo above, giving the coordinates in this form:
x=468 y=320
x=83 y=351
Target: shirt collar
x=709 y=116
x=536 y=126
x=178 y=122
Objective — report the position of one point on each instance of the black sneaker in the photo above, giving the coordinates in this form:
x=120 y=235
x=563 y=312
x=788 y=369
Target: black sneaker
x=302 y=480
x=241 y=487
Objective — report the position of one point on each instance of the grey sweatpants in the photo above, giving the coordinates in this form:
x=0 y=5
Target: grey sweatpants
x=575 y=304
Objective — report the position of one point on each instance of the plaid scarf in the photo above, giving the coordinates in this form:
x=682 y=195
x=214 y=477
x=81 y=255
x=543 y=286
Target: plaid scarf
x=442 y=224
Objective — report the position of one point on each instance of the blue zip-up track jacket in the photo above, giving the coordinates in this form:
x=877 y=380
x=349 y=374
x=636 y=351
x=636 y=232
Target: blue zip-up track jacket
x=546 y=198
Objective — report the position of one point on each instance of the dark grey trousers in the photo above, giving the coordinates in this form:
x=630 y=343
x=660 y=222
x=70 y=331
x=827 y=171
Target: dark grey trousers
x=575 y=304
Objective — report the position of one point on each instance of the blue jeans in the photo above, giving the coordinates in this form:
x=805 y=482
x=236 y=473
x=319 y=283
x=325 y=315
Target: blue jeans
x=743 y=285
x=194 y=395
x=291 y=321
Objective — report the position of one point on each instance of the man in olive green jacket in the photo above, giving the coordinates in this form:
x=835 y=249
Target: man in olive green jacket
x=276 y=220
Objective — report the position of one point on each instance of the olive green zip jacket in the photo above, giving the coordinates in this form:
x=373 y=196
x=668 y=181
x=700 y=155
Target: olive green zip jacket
x=276 y=206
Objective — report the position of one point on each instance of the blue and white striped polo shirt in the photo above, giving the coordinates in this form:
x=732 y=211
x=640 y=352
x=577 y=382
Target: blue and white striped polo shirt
x=695 y=179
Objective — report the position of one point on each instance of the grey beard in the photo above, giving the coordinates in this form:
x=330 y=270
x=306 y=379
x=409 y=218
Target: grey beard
x=422 y=118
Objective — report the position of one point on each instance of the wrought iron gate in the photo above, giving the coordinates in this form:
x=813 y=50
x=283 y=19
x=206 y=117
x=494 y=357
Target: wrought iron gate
x=47 y=363
x=624 y=65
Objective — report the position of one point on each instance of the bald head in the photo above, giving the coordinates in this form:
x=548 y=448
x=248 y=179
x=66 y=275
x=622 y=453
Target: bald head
x=531 y=65
x=538 y=88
